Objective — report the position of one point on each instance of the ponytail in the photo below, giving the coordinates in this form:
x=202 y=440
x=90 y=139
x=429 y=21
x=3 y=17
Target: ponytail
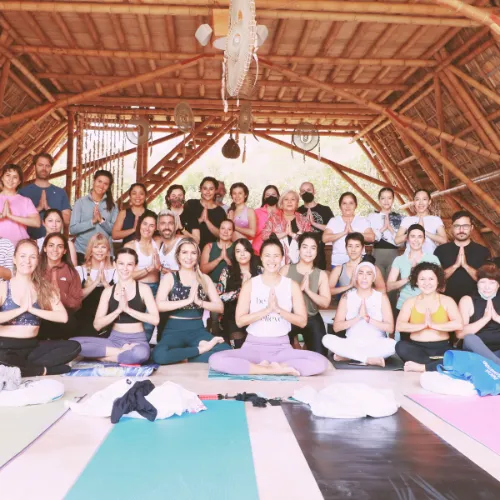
x=110 y=204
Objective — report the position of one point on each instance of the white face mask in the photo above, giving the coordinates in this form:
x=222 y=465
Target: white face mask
x=487 y=298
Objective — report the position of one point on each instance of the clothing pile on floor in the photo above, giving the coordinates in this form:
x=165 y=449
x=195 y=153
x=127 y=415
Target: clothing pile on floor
x=463 y=374
x=139 y=399
x=348 y=400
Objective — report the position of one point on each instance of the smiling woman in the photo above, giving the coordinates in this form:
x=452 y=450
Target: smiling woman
x=16 y=212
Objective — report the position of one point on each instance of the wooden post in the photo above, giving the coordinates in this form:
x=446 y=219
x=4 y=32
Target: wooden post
x=69 y=162
x=142 y=161
x=79 y=157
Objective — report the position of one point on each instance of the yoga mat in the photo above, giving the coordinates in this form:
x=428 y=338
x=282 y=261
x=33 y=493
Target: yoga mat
x=263 y=378
x=475 y=416
x=393 y=363
x=106 y=369
x=21 y=426
x=394 y=457
x=202 y=456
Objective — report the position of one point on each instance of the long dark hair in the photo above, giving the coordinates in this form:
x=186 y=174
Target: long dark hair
x=110 y=204
x=146 y=214
x=235 y=186
x=270 y=186
x=234 y=281
x=66 y=258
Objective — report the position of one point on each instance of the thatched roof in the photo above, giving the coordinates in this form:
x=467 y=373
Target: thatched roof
x=413 y=81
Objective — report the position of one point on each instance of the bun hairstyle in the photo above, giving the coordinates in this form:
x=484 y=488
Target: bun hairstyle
x=414 y=227
x=199 y=275
x=127 y=251
x=272 y=240
x=110 y=204
x=45 y=291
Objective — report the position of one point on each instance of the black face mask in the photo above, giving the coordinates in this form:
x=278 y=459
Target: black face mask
x=307 y=197
x=271 y=201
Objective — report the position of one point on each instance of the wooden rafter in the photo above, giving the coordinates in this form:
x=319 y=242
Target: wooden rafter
x=4 y=77
x=441 y=125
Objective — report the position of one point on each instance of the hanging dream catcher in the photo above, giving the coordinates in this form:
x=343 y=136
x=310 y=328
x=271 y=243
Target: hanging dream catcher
x=241 y=47
x=141 y=134
x=306 y=137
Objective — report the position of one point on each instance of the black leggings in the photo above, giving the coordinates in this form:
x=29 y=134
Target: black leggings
x=421 y=352
x=59 y=331
x=33 y=357
x=313 y=334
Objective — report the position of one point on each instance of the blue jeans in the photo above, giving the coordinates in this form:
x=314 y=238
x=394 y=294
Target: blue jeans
x=148 y=328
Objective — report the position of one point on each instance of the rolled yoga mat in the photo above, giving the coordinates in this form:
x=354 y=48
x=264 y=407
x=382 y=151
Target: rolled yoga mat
x=202 y=456
x=263 y=378
x=392 y=363
x=21 y=426
x=475 y=416
x=394 y=457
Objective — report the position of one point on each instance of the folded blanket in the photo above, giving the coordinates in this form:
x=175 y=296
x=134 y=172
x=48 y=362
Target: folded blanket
x=106 y=369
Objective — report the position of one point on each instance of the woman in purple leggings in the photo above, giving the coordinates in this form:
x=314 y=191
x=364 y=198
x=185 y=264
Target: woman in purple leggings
x=127 y=306
x=265 y=307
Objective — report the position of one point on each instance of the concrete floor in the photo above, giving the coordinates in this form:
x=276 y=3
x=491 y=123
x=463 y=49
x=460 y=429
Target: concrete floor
x=57 y=458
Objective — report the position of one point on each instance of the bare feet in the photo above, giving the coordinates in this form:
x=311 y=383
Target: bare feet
x=127 y=347
x=283 y=369
x=376 y=362
x=207 y=345
x=411 y=366
x=336 y=357
x=264 y=363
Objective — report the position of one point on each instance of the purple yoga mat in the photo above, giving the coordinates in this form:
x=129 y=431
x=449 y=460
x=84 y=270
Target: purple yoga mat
x=475 y=416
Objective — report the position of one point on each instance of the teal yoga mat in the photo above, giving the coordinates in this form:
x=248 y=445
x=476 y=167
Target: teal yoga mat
x=263 y=378
x=202 y=456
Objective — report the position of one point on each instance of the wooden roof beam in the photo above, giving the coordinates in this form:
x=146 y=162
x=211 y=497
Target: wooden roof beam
x=146 y=39
x=359 y=13
x=4 y=77
x=96 y=38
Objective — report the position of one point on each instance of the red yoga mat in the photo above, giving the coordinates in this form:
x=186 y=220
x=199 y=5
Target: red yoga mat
x=475 y=416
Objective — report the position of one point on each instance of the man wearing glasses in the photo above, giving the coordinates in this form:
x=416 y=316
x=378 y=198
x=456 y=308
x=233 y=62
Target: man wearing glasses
x=461 y=257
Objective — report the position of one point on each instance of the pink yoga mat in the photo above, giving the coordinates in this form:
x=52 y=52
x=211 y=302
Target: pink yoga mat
x=475 y=416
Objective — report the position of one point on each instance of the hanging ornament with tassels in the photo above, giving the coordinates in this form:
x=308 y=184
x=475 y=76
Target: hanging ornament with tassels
x=306 y=137
x=184 y=119
x=245 y=125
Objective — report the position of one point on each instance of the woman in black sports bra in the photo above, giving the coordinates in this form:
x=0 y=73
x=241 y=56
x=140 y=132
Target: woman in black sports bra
x=125 y=306
x=185 y=294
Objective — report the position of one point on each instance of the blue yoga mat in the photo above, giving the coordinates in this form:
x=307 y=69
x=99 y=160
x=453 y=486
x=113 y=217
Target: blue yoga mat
x=202 y=456
x=263 y=378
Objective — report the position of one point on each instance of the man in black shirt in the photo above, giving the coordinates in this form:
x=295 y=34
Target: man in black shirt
x=318 y=214
x=461 y=258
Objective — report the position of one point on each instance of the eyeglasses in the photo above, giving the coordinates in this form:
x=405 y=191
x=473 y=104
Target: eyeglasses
x=462 y=226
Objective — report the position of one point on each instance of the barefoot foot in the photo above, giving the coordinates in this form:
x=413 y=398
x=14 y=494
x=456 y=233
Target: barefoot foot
x=336 y=357
x=283 y=369
x=376 y=362
x=207 y=345
x=411 y=366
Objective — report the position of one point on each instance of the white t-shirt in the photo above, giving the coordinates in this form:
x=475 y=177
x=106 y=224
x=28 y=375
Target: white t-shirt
x=272 y=325
x=337 y=225
x=377 y=222
x=431 y=225
x=109 y=274
x=362 y=329
x=168 y=260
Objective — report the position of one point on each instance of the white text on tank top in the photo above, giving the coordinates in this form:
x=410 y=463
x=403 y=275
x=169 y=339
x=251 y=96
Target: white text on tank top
x=373 y=309
x=272 y=325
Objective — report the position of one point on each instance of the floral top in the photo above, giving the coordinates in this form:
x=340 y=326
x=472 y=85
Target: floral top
x=224 y=289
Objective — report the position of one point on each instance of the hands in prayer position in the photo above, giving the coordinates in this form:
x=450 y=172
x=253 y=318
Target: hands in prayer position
x=43 y=203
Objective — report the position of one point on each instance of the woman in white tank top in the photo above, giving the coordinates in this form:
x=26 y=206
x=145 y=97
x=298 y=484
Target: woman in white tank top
x=148 y=267
x=366 y=315
x=268 y=306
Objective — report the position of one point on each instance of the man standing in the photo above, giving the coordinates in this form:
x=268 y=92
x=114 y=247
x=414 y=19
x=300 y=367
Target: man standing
x=6 y=259
x=461 y=257
x=318 y=214
x=45 y=195
x=220 y=195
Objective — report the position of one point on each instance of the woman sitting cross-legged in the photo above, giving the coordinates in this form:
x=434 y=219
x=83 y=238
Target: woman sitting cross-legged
x=265 y=307
x=429 y=318
x=185 y=294
x=481 y=315
x=126 y=306
x=367 y=316
x=24 y=301
x=313 y=283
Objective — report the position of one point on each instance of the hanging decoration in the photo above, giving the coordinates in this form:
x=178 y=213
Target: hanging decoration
x=306 y=137
x=141 y=134
x=184 y=119
x=245 y=125
x=241 y=48
x=231 y=150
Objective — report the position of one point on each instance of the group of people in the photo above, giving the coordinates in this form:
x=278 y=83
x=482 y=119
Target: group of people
x=258 y=278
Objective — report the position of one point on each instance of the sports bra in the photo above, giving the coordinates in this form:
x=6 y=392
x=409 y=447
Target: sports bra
x=241 y=220
x=440 y=316
x=25 y=319
x=181 y=292
x=136 y=303
x=145 y=260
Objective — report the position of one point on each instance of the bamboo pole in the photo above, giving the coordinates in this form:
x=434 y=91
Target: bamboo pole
x=339 y=169
x=217 y=82
x=4 y=77
x=58 y=155
x=427 y=78
x=203 y=10
x=473 y=83
x=79 y=157
x=142 y=160
x=441 y=126
x=69 y=161
x=173 y=56
x=60 y=103
x=482 y=16
x=474 y=188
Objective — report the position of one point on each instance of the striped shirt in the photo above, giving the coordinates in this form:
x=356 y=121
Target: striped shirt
x=6 y=254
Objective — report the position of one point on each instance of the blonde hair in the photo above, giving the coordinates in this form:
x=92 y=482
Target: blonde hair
x=45 y=291
x=199 y=274
x=286 y=193
x=95 y=240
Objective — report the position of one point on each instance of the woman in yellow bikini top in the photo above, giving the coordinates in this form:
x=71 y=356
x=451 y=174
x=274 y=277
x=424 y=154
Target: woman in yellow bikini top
x=429 y=327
